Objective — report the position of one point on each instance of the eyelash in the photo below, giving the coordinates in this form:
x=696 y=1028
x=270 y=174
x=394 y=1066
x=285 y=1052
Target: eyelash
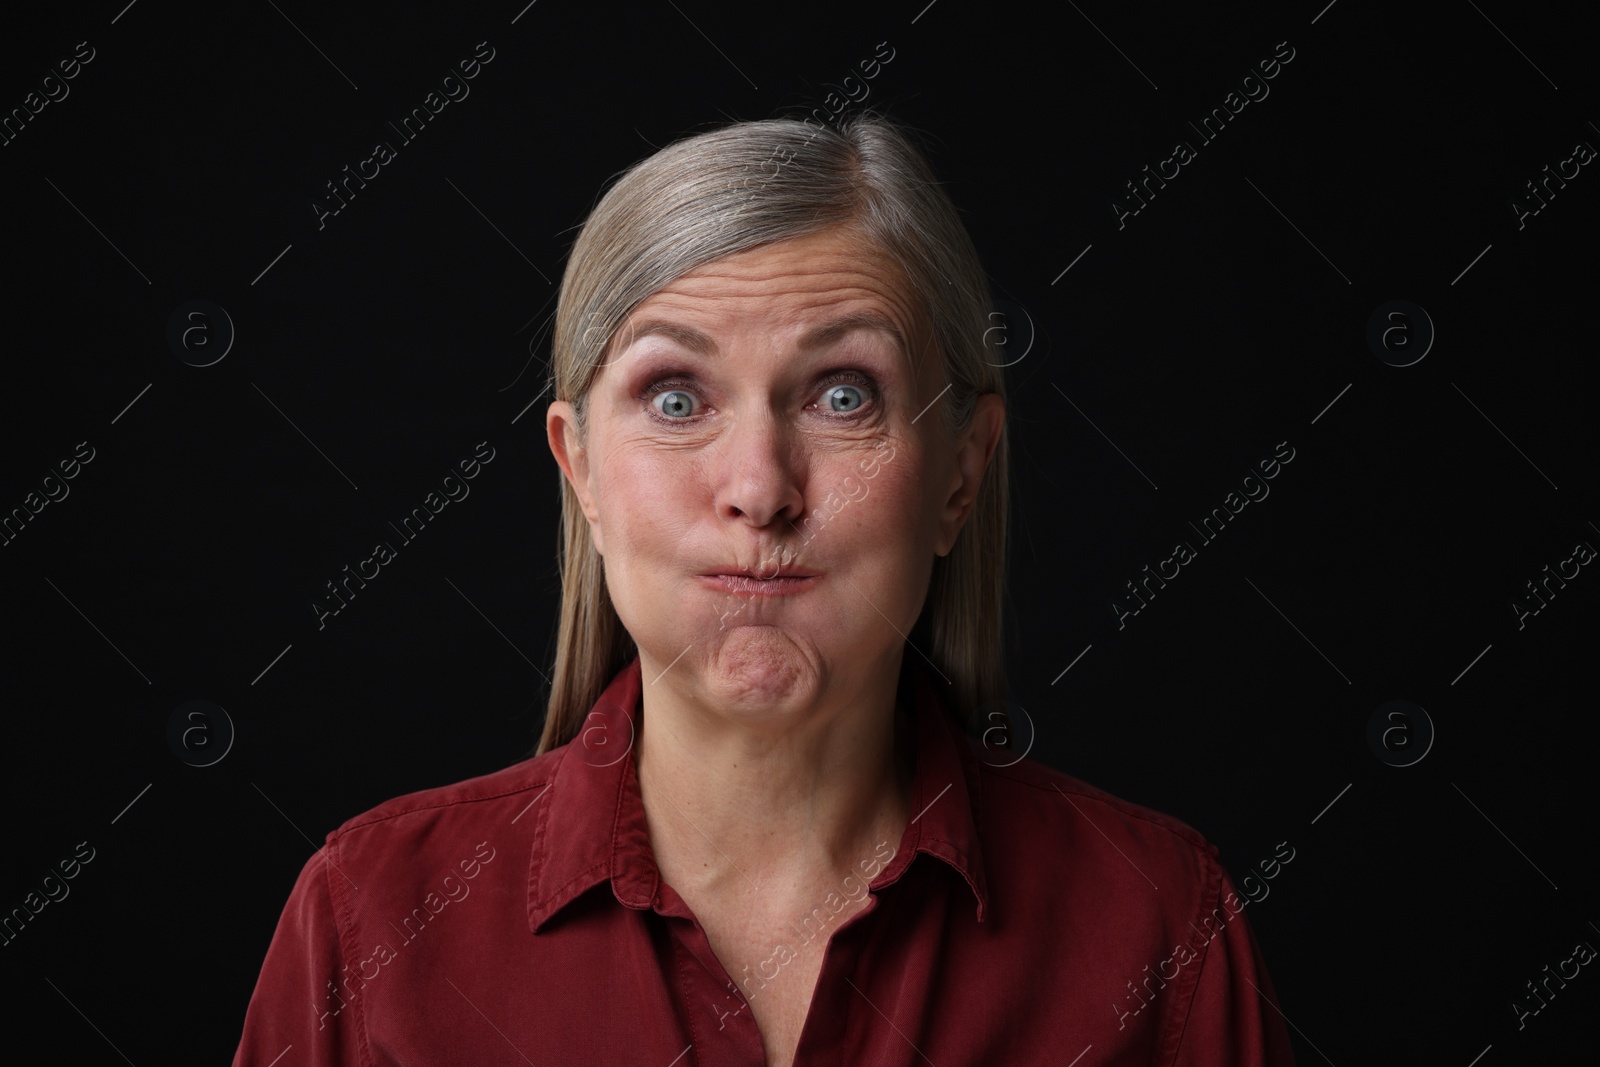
x=840 y=377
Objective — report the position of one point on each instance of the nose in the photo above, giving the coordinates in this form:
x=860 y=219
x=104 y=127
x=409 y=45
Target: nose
x=758 y=478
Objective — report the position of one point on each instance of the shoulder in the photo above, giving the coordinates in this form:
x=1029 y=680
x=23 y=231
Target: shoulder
x=446 y=818
x=1030 y=783
x=1103 y=901
x=1053 y=825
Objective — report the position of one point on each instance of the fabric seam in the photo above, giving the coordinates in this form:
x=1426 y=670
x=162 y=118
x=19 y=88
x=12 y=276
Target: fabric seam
x=1209 y=900
x=344 y=924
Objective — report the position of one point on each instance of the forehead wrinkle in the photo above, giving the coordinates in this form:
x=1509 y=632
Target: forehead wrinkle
x=817 y=338
x=770 y=275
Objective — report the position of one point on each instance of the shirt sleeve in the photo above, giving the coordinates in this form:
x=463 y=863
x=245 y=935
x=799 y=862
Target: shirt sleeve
x=300 y=1001
x=1234 y=1018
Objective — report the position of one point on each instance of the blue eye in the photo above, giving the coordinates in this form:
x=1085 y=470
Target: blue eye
x=674 y=403
x=845 y=398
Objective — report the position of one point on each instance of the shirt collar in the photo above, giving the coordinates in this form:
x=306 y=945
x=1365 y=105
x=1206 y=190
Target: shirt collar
x=593 y=829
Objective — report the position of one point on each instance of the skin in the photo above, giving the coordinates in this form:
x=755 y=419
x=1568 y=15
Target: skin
x=770 y=766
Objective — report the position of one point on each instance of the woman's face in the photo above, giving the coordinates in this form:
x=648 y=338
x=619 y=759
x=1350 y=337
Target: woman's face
x=767 y=479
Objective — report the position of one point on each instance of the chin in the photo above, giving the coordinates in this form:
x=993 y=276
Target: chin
x=759 y=666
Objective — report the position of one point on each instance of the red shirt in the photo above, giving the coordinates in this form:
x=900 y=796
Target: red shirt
x=1023 y=918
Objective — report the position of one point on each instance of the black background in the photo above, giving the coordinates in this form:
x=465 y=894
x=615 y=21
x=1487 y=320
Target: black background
x=1176 y=352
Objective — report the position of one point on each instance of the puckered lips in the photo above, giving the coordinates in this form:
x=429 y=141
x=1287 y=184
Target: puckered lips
x=782 y=580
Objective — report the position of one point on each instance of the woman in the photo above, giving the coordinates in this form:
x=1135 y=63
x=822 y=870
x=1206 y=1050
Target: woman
x=754 y=832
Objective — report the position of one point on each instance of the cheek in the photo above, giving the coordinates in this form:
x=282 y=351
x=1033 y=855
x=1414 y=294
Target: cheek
x=895 y=503
x=657 y=510
x=879 y=506
x=641 y=486
x=891 y=546
x=648 y=502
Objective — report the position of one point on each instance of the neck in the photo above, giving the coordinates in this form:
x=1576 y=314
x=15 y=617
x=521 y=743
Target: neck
x=750 y=810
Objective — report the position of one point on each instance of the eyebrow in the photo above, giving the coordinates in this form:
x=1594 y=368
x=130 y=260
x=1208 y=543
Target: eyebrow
x=702 y=344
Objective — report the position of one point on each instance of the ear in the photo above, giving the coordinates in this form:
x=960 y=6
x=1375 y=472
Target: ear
x=567 y=445
x=975 y=448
